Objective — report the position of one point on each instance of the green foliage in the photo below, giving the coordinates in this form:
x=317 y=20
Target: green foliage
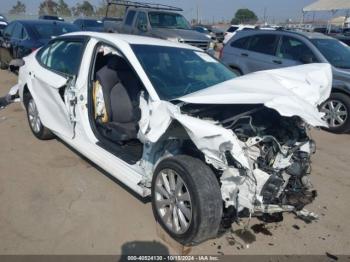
x=113 y=10
x=18 y=8
x=63 y=9
x=244 y=16
x=48 y=7
x=85 y=9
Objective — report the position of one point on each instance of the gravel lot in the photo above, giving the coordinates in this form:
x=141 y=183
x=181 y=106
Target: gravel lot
x=52 y=201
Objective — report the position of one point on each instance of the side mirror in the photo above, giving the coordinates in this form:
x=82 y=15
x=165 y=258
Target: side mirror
x=142 y=27
x=307 y=59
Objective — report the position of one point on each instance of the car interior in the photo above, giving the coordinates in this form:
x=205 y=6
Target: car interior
x=114 y=80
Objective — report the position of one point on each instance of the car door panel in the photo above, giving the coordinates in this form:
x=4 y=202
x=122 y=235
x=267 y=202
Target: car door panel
x=45 y=87
x=258 y=62
x=261 y=52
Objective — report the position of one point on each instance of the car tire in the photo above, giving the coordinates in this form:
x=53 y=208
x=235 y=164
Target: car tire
x=337 y=109
x=190 y=210
x=37 y=128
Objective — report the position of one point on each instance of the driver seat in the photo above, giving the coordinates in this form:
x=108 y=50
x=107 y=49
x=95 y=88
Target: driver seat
x=121 y=103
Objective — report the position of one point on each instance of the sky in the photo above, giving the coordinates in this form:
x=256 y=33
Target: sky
x=209 y=10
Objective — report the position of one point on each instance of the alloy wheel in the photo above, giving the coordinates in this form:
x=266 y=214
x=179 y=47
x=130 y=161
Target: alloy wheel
x=336 y=113
x=173 y=201
x=33 y=116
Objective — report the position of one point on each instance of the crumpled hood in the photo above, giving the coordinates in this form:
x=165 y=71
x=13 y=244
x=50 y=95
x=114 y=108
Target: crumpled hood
x=179 y=33
x=293 y=91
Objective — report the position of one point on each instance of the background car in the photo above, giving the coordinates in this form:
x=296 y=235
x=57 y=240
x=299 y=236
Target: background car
x=51 y=17
x=87 y=24
x=256 y=50
x=21 y=37
x=205 y=31
x=233 y=29
x=2 y=26
x=3 y=18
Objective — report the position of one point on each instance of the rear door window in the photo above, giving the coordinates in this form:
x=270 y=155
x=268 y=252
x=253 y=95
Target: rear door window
x=62 y=56
x=41 y=56
x=264 y=44
x=141 y=20
x=241 y=43
x=294 y=49
x=130 y=17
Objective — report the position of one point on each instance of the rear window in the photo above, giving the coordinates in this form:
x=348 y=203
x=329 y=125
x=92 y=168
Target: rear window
x=47 y=31
x=265 y=44
x=232 y=29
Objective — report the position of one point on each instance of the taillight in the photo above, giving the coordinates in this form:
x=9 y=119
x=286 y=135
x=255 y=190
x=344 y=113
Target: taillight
x=34 y=48
x=225 y=34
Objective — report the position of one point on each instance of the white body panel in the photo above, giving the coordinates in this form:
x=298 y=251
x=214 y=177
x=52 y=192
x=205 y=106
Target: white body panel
x=294 y=91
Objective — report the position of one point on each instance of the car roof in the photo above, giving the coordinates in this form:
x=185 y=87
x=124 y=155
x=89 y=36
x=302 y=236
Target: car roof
x=133 y=39
x=153 y=10
x=39 y=21
x=88 y=19
x=309 y=35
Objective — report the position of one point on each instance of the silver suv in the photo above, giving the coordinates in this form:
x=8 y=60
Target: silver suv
x=255 y=50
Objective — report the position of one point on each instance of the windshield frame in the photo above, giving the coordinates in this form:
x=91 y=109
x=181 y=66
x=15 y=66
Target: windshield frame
x=188 y=26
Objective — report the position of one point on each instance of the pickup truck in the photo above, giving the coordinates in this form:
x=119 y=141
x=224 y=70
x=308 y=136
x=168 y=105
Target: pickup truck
x=163 y=22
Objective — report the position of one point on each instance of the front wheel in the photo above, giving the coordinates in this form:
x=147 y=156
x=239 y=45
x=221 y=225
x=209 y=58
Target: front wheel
x=186 y=199
x=38 y=129
x=337 y=110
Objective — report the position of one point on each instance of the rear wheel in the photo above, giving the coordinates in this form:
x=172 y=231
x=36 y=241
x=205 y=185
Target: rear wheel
x=337 y=110
x=39 y=131
x=186 y=199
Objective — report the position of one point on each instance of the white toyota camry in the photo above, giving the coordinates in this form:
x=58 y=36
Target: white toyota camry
x=170 y=121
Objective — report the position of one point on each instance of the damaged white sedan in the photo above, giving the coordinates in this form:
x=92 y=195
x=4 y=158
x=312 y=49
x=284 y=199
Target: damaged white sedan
x=170 y=121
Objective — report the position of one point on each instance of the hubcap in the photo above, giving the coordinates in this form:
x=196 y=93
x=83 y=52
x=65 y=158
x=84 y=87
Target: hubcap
x=173 y=201
x=336 y=113
x=33 y=116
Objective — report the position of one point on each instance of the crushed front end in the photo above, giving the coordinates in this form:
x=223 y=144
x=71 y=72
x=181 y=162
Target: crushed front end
x=278 y=149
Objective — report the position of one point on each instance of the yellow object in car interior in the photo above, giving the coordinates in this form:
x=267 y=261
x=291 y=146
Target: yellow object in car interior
x=99 y=103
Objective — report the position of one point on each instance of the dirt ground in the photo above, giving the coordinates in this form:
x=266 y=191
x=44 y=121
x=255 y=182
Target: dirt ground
x=52 y=201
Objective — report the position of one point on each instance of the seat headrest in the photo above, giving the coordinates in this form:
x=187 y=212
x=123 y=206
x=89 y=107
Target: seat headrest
x=117 y=63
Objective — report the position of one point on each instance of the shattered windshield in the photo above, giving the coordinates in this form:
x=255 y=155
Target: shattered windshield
x=175 y=72
x=168 y=20
x=336 y=52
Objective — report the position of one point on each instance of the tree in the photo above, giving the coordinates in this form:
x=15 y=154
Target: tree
x=244 y=16
x=48 y=7
x=18 y=8
x=85 y=9
x=63 y=9
x=113 y=10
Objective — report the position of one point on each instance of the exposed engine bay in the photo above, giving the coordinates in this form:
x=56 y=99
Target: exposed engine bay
x=279 y=150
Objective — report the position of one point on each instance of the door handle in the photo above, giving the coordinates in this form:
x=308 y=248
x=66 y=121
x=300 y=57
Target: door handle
x=277 y=62
x=244 y=54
